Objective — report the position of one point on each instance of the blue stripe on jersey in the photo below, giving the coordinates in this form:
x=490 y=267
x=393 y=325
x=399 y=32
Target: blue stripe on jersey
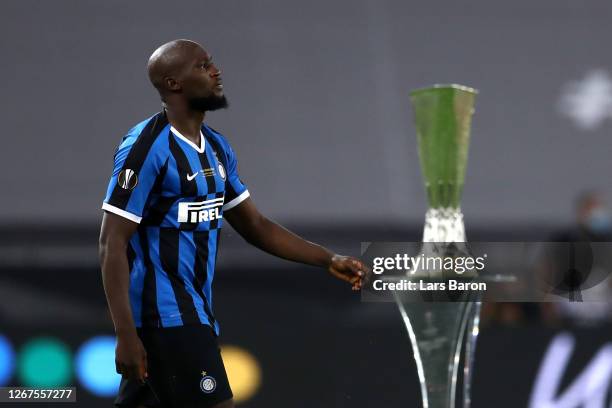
x=212 y=160
x=172 y=177
x=210 y=270
x=146 y=180
x=133 y=133
x=187 y=248
x=137 y=281
x=233 y=185
x=167 y=305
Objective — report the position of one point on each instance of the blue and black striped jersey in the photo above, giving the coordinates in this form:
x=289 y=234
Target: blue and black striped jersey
x=177 y=192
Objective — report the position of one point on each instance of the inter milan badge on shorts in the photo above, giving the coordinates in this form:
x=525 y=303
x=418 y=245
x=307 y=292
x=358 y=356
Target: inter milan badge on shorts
x=221 y=171
x=127 y=179
x=207 y=383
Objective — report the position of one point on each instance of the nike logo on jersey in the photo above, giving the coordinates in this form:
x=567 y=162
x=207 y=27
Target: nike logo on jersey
x=206 y=172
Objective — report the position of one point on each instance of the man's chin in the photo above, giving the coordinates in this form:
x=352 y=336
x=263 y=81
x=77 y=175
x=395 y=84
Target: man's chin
x=221 y=101
x=210 y=103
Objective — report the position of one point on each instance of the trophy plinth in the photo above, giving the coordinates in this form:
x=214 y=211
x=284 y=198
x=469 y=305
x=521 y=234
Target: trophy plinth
x=439 y=331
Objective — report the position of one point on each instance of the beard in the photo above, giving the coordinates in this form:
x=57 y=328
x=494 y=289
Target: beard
x=208 y=103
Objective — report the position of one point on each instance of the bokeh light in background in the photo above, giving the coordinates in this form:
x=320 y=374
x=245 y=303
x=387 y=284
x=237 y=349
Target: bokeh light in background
x=44 y=362
x=243 y=372
x=7 y=360
x=95 y=366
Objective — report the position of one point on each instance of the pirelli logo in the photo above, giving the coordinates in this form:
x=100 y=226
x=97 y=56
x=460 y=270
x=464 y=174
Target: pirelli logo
x=207 y=210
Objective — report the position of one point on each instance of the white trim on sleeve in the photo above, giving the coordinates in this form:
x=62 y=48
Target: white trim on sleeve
x=122 y=213
x=236 y=200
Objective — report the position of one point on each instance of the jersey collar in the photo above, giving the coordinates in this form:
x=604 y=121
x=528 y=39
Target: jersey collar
x=189 y=142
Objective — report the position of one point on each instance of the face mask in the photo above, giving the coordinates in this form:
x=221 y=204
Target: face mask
x=599 y=221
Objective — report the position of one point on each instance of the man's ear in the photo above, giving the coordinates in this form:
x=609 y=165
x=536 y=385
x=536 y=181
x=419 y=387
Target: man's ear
x=172 y=84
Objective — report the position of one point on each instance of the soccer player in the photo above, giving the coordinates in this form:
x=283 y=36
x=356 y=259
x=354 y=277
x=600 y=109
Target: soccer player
x=175 y=181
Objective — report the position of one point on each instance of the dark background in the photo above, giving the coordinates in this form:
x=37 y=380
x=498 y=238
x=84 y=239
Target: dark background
x=322 y=125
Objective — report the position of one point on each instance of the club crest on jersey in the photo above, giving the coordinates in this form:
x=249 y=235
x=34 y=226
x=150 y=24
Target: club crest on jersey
x=201 y=211
x=127 y=179
x=221 y=171
x=208 y=384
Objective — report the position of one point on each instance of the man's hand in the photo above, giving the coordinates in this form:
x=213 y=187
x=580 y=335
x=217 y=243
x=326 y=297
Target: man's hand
x=131 y=357
x=348 y=269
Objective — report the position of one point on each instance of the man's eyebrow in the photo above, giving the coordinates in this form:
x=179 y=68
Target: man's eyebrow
x=206 y=60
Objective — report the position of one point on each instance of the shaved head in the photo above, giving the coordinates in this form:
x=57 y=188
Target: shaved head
x=169 y=60
x=184 y=75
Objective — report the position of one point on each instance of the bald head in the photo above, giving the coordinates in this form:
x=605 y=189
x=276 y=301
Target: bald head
x=170 y=60
x=184 y=75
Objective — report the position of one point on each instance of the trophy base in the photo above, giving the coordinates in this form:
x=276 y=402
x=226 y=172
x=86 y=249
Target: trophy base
x=441 y=334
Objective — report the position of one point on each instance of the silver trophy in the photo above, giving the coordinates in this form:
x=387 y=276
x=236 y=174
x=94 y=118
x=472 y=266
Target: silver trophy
x=443 y=333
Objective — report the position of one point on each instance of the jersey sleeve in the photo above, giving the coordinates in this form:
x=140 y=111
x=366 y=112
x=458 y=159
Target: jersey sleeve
x=235 y=190
x=137 y=166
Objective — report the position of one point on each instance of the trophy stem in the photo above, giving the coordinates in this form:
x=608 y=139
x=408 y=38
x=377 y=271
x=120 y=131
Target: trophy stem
x=470 y=353
x=454 y=364
x=437 y=332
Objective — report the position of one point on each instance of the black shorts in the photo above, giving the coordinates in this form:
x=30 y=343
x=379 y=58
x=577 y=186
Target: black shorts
x=184 y=367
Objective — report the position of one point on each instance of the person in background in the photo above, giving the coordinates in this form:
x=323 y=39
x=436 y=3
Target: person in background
x=593 y=224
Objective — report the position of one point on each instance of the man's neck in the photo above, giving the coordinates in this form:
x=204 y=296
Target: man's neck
x=186 y=121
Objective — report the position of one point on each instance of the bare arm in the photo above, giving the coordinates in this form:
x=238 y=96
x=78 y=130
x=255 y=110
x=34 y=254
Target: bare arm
x=268 y=236
x=115 y=235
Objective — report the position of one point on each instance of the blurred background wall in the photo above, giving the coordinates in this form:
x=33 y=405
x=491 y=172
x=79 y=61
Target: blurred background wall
x=321 y=121
x=320 y=114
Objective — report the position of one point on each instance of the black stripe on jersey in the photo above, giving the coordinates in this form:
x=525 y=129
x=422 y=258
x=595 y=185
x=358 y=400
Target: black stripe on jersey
x=149 y=312
x=200 y=269
x=230 y=193
x=169 y=258
x=216 y=146
x=218 y=242
x=214 y=224
x=188 y=188
x=137 y=155
x=158 y=210
x=210 y=181
x=211 y=186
